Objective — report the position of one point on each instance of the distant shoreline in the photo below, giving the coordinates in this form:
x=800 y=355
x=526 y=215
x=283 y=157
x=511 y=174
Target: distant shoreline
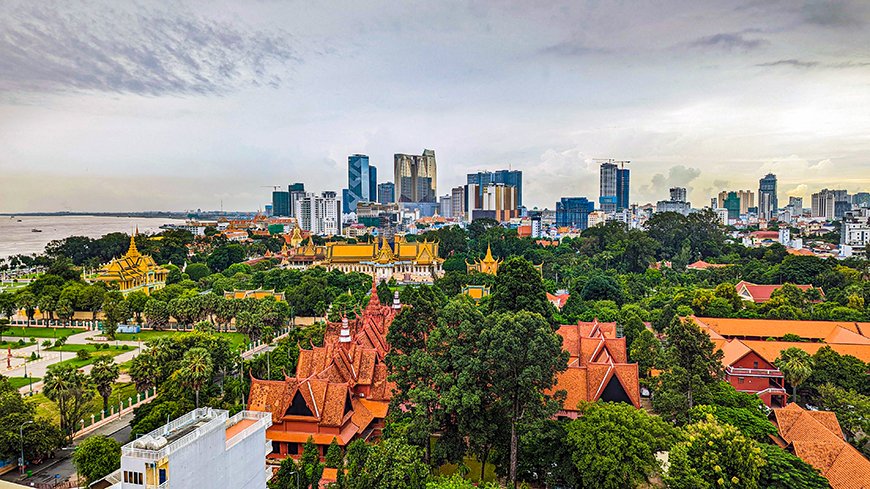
x=144 y=214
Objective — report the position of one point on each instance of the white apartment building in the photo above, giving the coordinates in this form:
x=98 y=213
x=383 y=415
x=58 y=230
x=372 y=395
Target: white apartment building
x=205 y=448
x=320 y=214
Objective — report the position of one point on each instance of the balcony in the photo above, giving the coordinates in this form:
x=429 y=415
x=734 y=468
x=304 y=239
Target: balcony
x=753 y=372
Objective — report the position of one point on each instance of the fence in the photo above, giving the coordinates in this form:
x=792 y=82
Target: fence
x=115 y=411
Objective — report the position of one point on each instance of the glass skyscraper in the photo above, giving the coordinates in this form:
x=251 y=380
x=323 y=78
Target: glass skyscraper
x=607 y=196
x=513 y=178
x=574 y=212
x=362 y=183
x=623 y=183
x=767 y=203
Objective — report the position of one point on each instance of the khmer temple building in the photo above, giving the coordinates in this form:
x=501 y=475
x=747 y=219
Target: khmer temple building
x=340 y=390
x=134 y=271
x=598 y=367
x=489 y=265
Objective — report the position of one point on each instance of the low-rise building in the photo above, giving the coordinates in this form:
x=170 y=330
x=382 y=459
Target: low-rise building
x=598 y=368
x=204 y=448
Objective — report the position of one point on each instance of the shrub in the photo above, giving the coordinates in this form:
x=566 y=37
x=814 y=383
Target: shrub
x=83 y=354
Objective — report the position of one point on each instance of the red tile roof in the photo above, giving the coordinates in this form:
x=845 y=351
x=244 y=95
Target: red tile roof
x=595 y=357
x=816 y=437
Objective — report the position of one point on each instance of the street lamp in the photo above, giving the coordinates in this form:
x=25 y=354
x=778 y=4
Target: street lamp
x=21 y=435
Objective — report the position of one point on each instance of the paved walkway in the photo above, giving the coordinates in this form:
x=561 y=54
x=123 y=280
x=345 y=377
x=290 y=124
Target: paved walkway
x=39 y=367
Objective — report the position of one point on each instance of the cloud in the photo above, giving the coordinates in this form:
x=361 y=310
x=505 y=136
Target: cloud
x=678 y=176
x=734 y=41
x=141 y=50
x=796 y=63
x=572 y=49
x=831 y=14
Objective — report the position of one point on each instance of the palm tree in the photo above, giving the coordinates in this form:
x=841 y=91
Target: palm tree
x=196 y=369
x=796 y=366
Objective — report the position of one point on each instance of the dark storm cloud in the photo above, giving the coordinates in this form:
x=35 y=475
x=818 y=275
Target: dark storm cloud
x=729 y=41
x=142 y=51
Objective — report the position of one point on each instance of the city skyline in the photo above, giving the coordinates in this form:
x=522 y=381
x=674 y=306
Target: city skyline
x=262 y=98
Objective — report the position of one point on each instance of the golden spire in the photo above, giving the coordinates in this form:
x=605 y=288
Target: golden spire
x=132 y=251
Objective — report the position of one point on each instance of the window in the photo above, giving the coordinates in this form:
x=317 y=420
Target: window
x=740 y=380
x=131 y=477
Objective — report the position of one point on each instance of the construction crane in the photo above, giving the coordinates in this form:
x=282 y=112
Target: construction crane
x=621 y=163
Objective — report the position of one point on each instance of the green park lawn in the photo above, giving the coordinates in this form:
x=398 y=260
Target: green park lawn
x=40 y=332
x=236 y=339
x=19 y=382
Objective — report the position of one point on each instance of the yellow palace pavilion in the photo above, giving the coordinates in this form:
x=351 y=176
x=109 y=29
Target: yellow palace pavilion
x=134 y=271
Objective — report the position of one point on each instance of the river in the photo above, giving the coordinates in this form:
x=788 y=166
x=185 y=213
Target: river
x=18 y=237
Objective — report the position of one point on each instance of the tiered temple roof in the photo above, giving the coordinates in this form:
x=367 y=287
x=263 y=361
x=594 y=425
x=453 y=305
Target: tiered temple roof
x=134 y=271
x=598 y=367
x=340 y=390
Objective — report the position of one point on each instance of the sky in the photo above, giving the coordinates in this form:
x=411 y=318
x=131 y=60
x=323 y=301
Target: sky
x=131 y=106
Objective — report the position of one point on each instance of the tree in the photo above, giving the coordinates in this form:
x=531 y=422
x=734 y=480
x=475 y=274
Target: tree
x=157 y=313
x=96 y=457
x=521 y=356
x=197 y=271
x=714 y=455
x=613 y=445
x=71 y=390
x=334 y=458
x=104 y=373
x=391 y=464
x=852 y=410
x=305 y=474
x=796 y=366
x=645 y=350
x=691 y=364
x=27 y=301
x=518 y=286
x=116 y=310
x=782 y=470
x=845 y=371
x=145 y=370
x=136 y=302
x=196 y=369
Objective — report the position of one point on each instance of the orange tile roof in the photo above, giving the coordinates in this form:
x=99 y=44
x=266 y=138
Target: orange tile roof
x=777 y=328
x=816 y=437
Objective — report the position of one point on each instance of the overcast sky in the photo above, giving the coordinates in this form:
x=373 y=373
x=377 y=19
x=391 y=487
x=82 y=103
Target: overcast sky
x=153 y=105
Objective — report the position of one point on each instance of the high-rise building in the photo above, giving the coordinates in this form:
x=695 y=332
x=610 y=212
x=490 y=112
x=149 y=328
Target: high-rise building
x=386 y=193
x=574 y=212
x=445 y=206
x=514 y=178
x=320 y=214
x=746 y=197
x=733 y=203
x=296 y=190
x=824 y=203
x=767 y=201
x=457 y=202
x=678 y=194
x=361 y=182
x=607 y=195
x=280 y=203
x=623 y=183
x=203 y=448
x=415 y=177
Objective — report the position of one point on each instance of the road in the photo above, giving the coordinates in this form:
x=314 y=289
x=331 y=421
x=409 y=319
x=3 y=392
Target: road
x=62 y=465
